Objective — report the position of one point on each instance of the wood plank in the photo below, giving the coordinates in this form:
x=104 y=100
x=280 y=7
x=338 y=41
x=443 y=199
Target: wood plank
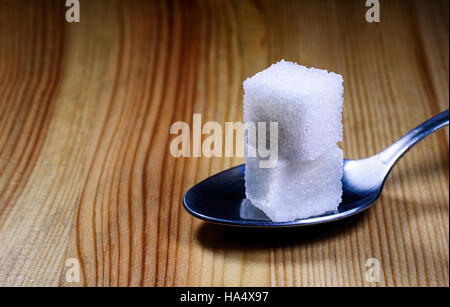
x=85 y=167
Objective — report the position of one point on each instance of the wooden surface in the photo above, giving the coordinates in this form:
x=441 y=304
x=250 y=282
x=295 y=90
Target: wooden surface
x=85 y=168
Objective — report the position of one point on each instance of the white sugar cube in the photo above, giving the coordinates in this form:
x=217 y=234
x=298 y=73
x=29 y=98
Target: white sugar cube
x=296 y=189
x=306 y=103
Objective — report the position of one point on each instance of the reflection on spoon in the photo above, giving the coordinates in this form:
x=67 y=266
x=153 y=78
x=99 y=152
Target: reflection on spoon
x=249 y=212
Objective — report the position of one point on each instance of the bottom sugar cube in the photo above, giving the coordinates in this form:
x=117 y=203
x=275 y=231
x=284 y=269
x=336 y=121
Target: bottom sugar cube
x=296 y=189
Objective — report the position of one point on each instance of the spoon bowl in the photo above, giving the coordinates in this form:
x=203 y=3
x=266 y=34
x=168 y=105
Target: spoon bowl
x=221 y=198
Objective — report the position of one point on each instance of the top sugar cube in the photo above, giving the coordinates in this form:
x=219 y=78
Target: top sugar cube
x=306 y=103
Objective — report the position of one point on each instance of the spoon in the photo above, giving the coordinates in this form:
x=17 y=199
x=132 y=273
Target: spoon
x=221 y=198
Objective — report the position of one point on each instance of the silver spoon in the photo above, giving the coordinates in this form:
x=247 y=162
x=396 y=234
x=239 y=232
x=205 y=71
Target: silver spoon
x=221 y=198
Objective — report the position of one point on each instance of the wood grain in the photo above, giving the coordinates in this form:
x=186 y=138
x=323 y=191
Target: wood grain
x=85 y=168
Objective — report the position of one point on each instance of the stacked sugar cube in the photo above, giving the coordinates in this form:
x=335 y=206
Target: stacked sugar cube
x=307 y=104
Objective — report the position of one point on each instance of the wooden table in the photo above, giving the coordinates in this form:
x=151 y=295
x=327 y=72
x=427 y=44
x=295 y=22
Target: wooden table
x=85 y=167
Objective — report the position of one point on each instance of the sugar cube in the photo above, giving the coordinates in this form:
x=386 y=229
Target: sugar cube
x=306 y=103
x=296 y=189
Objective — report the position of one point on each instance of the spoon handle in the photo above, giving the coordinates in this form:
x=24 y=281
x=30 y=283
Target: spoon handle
x=393 y=153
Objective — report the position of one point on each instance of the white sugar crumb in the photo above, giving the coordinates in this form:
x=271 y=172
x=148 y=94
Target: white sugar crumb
x=307 y=104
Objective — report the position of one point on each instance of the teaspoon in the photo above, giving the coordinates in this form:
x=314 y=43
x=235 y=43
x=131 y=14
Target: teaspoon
x=221 y=198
